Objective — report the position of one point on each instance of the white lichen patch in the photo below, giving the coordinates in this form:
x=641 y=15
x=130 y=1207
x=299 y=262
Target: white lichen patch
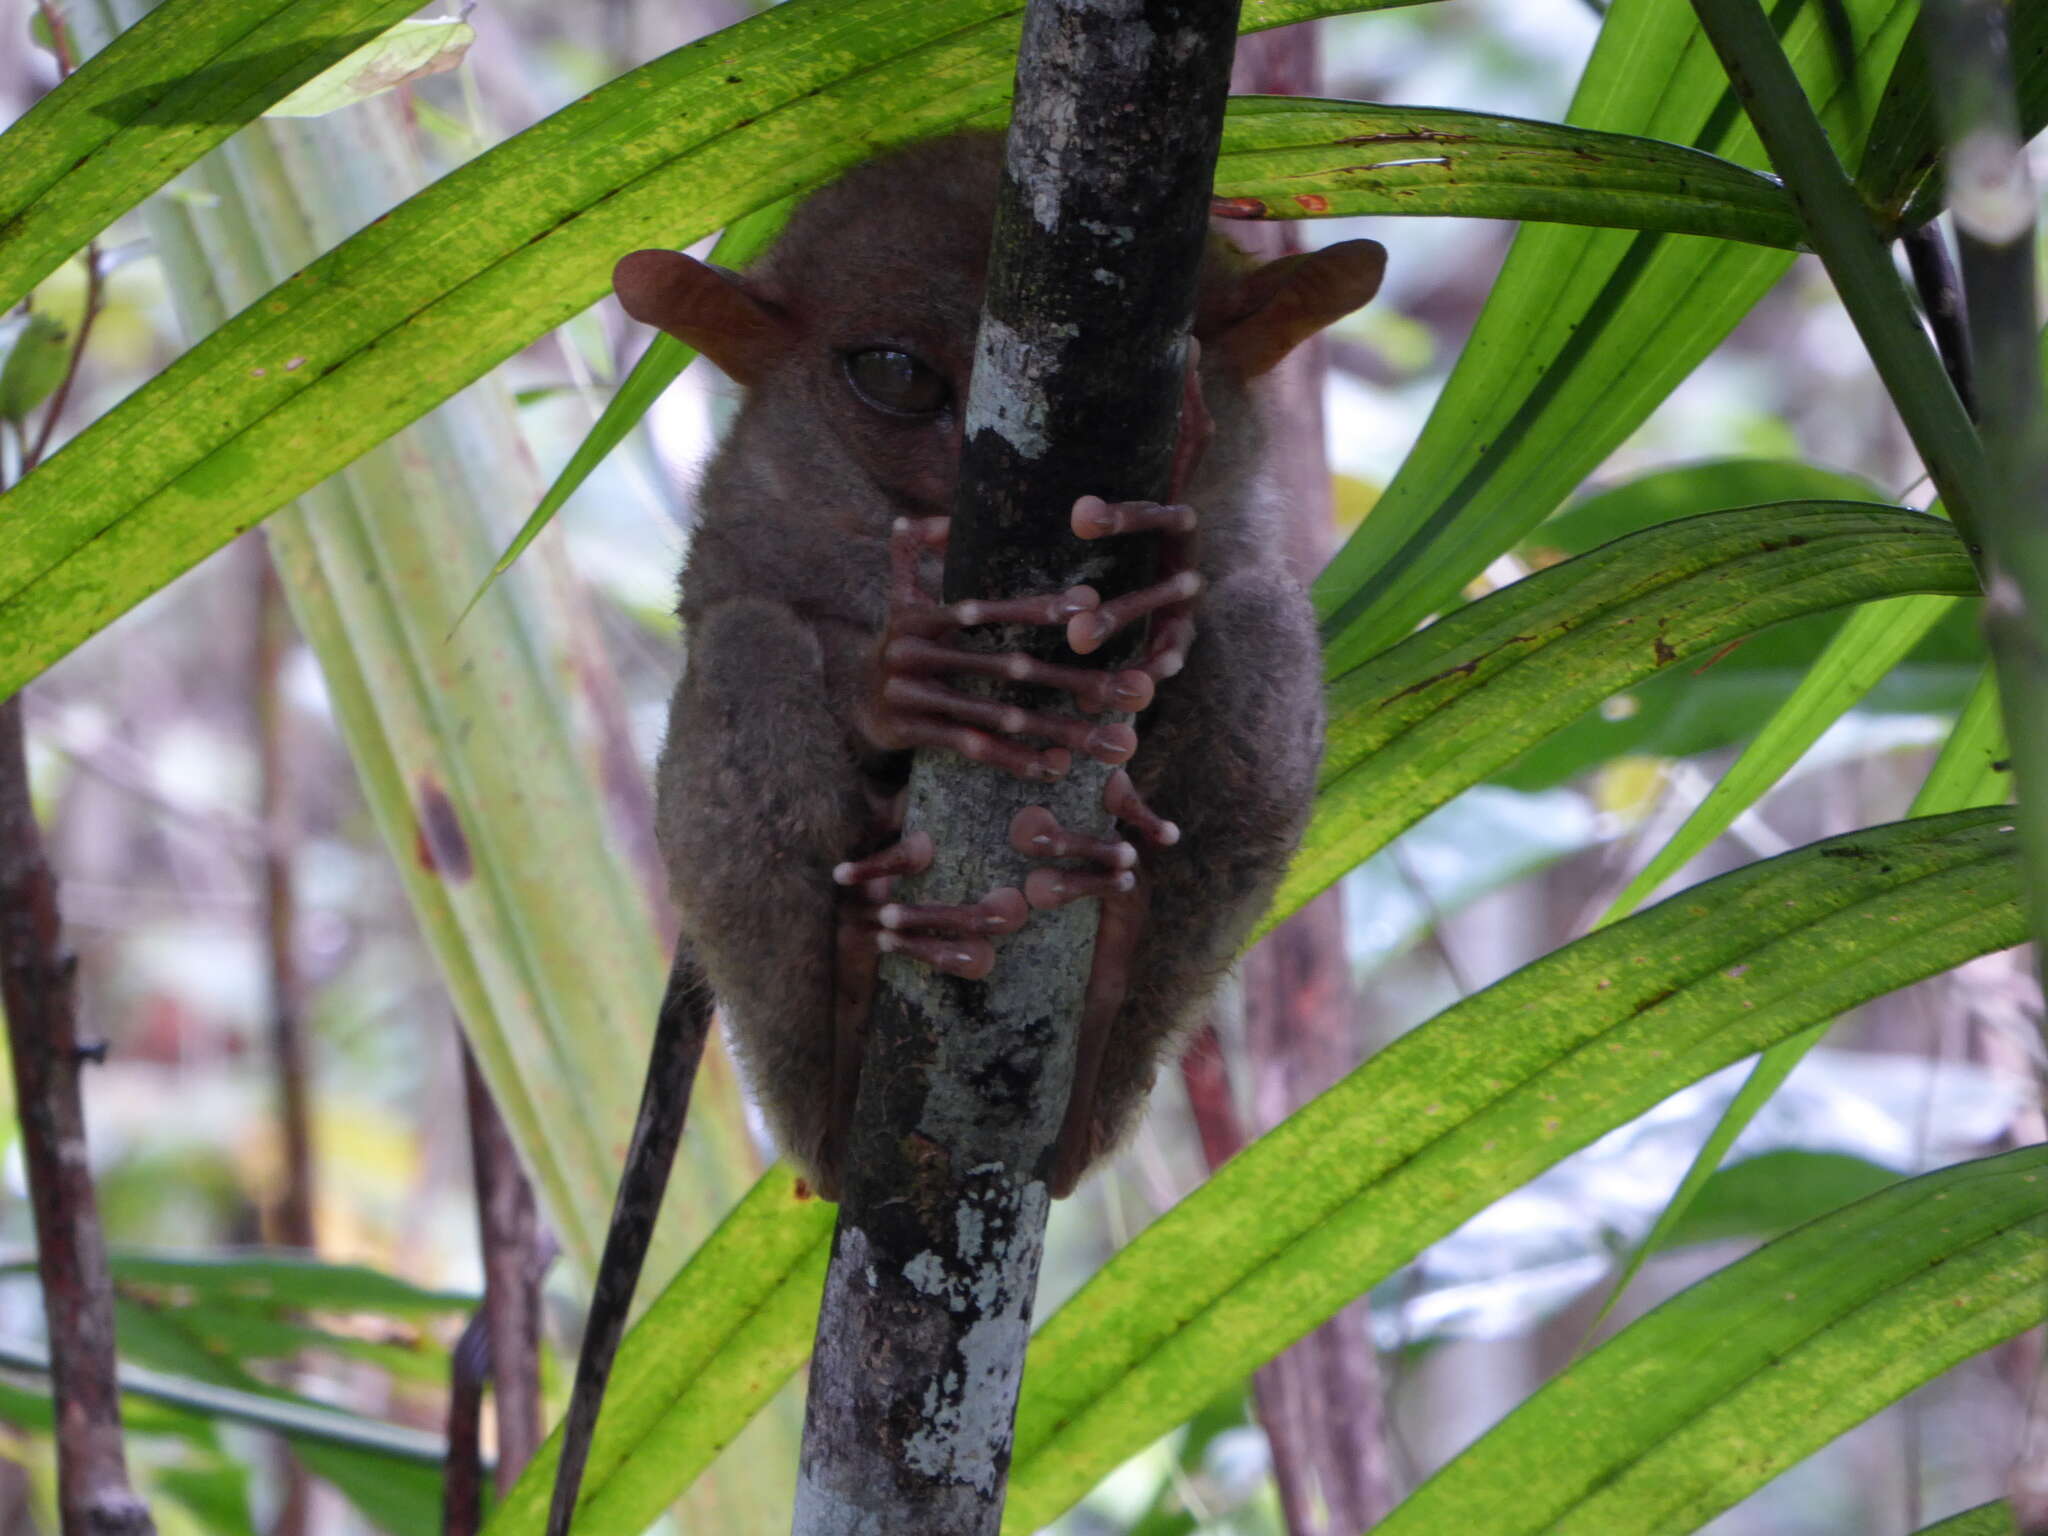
x=1005 y=395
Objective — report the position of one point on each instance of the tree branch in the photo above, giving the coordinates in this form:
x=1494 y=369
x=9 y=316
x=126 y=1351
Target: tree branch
x=36 y=986
x=1076 y=390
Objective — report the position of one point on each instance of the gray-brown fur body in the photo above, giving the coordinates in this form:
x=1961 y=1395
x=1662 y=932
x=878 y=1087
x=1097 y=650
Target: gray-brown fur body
x=768 y=779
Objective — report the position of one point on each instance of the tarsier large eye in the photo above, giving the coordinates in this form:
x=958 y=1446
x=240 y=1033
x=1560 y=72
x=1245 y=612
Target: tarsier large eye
x=896 y=382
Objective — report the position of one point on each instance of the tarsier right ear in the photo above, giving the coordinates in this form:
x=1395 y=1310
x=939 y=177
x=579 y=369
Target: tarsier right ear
x=1278 y=306
x=705 y=307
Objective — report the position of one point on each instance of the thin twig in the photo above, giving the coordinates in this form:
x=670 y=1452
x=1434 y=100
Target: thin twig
x=60 y=44
x=36 y=984
x=95 y=286
x=508 y=1228
x=462 y=1477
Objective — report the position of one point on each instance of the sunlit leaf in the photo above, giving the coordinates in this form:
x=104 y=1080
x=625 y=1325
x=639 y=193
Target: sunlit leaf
x=170 y=88
x=1455 y=703
x=1473 y=1104
x=1729 y=1383
x=412 y=50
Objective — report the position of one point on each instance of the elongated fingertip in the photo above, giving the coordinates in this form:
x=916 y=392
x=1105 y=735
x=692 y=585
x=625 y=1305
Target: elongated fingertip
x=1092 y=518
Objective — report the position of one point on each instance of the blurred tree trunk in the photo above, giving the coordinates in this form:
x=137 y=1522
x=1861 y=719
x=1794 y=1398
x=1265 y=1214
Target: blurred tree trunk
x=1320 y=1401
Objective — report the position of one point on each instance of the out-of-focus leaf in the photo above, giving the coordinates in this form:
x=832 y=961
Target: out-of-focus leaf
x=717 y=1345
x=397 y=1499
x=1291 y=157
x=1773 y=1192
x=1726 y=1385
x=1457 y=702
x=274 y=1279
x=1994 y=1519
x=411 y=50
x=33 y=368
x=178 y=82
x=1586 y=330
x=217 y=1496
x=26 y=1408
x=1473 y=1104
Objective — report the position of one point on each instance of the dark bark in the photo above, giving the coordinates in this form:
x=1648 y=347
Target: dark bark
x=1077 y=389
x=462 y=1477
x=293 y=1216
x=508 y=1231
x=36 y=985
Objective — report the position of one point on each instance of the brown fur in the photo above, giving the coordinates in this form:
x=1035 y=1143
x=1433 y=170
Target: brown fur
x=768 y=779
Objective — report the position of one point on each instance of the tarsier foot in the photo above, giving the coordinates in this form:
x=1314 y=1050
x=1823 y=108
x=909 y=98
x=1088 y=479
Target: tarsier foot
x=949 y=937
x=1108 y=865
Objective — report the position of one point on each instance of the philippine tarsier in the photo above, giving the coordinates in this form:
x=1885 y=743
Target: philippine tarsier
x=816 y=663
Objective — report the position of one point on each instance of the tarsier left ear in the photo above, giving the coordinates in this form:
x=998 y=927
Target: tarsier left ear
x=723 y=316
x=1280 y=305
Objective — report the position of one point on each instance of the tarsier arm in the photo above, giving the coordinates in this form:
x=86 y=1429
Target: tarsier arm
x=1250 y=318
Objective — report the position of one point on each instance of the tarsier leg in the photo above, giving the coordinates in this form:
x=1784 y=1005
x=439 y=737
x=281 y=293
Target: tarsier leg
x=679 y=1033
x=1117 y=932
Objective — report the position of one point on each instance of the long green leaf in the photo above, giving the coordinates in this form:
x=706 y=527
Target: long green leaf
x=429 y=296
x=1729 y=1383
x=1963 y=777
x=1586 y=331
x=1872 y=641
x=1471 y=1105
x=1453 y=704
x=173 y=86
x=1290 y=158
x=1971 y=768
x=1993 y=1519
x=729 y=1329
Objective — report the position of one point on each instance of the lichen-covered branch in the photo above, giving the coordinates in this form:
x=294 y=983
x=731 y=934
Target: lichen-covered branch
x=1076 y=390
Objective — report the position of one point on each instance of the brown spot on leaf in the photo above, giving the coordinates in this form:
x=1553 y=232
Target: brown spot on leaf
x=1665 y=654
x=1412 y=136
x=1237 y=208
x=441 y=845
x=802 y=1190
x=1313 y=202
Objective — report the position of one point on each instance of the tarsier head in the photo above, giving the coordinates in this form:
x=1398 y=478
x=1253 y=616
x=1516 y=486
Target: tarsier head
x=863 y=314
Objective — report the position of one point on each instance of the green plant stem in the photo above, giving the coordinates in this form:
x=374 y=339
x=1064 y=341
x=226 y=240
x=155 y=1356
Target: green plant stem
x=1994 y=208
x=1842 y=232
x=1992 y=487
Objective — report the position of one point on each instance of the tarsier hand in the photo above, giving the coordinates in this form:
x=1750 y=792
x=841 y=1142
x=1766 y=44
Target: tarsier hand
x=916 y=706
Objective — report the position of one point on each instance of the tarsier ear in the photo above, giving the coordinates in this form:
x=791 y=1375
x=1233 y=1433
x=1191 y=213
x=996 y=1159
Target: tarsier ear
x=1281 y=304
x=703 y=307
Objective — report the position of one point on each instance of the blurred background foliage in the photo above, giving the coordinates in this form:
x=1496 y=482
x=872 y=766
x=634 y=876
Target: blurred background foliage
x=193 y=767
